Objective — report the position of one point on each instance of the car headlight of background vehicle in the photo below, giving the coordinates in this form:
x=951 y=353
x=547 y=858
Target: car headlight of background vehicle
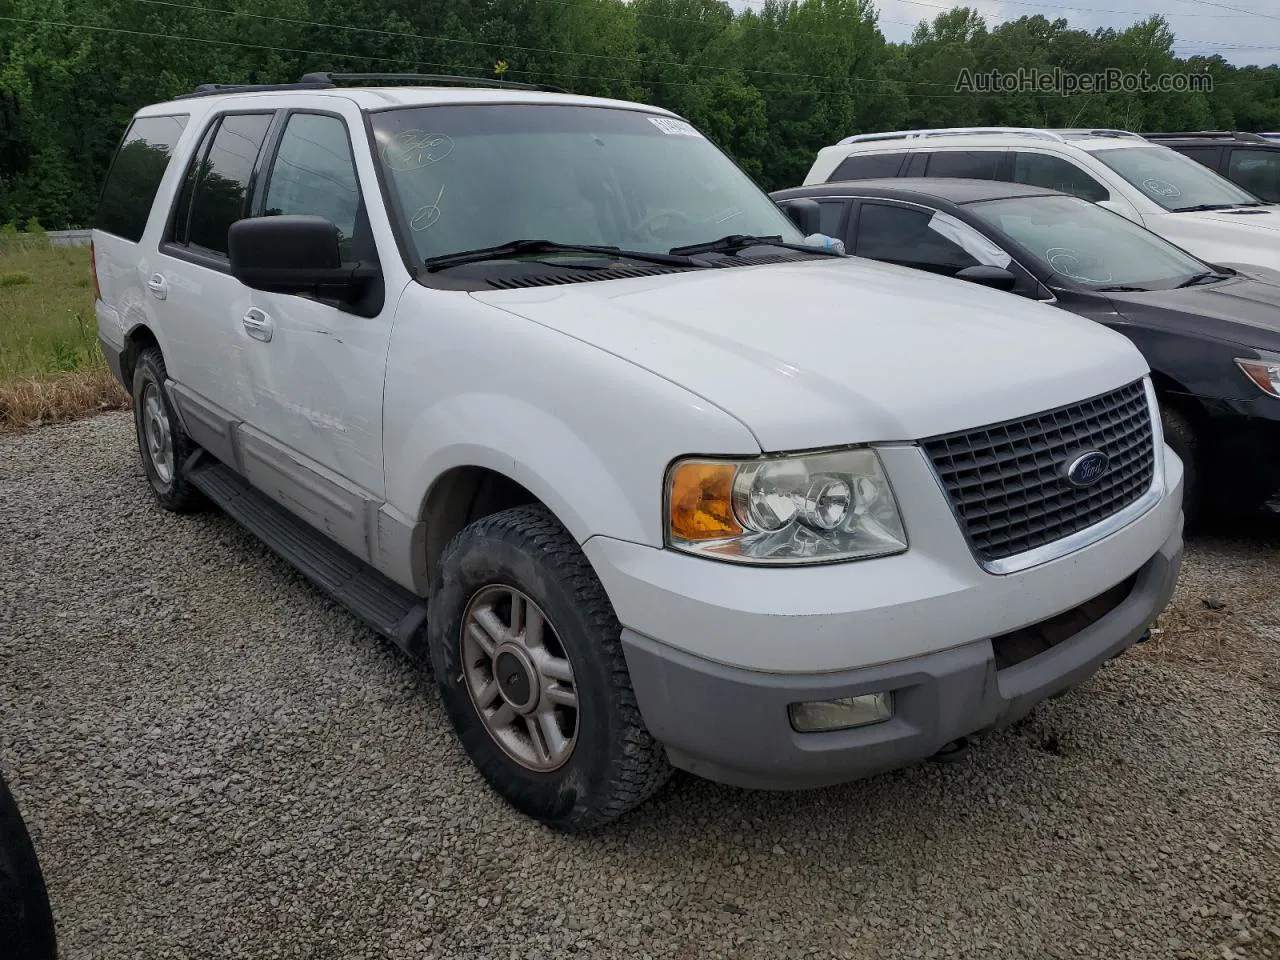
x=1263 y=371
x=801 y=508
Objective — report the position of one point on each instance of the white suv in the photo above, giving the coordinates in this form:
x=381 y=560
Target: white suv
x=1153 y=185
x=484 y=366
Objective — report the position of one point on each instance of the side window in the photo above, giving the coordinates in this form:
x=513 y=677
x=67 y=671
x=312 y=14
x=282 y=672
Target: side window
x=218 y=183
x=315 y=173
x=135 y=175
x=867 y=166
x=969 y=164
x=915 y=166
x=1258 y=171
x=1208 y=156
x=181 y=210
x=904 y=235
x=831 y=217
x=1054 y=173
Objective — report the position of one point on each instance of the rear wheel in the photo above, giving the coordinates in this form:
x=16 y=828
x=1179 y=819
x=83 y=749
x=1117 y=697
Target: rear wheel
x=163 y=442
x=526 y=651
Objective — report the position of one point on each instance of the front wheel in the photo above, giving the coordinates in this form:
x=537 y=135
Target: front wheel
x=527 y=654
x=1181 y=436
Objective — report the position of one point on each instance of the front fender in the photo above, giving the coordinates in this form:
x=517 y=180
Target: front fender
x=588 y=433
x=530 y=446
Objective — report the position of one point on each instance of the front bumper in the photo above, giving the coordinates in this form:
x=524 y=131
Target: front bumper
x=731 y=725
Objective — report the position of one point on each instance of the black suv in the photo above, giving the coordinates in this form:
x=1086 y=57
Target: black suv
x=1247 y=159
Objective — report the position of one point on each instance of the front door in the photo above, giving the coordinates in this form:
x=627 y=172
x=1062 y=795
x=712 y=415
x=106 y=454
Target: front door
x=312 y=433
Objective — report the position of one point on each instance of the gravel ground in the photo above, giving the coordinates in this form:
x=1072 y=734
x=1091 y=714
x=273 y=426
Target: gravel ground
x=216 y=762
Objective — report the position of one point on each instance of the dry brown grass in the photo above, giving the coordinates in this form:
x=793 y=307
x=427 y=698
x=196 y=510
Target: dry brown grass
x=27 y=402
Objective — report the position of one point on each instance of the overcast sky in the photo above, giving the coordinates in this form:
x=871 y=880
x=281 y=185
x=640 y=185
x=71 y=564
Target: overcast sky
x=1204 y=27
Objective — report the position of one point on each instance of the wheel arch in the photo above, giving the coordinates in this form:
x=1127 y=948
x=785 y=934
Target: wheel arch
x=138 y=339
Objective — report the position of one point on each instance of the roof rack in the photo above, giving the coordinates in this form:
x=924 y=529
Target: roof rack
x=214 y=89
x=952 y=132
x=429 y=79
x=328 y=81
x=1080 y=132
x=1207 y=135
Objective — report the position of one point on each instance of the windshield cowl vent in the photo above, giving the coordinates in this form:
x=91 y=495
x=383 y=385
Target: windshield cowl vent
x=581 y=276
x=562 y=277
x=727 y=260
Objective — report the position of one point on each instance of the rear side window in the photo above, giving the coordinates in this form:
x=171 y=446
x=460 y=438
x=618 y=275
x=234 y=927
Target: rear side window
x=868 y=166
x=1258 y=171
x=216 y=188
x=1207 y=155
x=969 y=164
x=1054 y=173
x=135 y=175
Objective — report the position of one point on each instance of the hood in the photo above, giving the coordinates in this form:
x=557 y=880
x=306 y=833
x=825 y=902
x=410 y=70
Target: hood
x=829 y=352
x=1246 y=235
x=1239 y=310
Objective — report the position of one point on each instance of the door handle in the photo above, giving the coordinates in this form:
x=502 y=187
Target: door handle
x=258 y=324
x=159 y=286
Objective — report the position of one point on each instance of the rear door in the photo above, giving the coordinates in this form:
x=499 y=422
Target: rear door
x=200 y=303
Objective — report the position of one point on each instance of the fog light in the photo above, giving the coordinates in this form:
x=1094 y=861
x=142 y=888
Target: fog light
x=841 y=714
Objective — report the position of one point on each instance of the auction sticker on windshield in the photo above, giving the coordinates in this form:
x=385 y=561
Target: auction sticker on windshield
x=675 y=128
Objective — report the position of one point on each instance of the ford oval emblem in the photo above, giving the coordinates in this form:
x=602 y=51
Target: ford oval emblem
x=1087 y=469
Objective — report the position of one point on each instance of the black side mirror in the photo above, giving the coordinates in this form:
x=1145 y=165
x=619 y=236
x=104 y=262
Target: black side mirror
x=294 y=254
x=997 y=277
x=804 y=213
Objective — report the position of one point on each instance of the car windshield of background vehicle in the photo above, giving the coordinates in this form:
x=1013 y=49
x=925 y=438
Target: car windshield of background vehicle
x=1085 y=243
x=1175 y=182
x=470 y=177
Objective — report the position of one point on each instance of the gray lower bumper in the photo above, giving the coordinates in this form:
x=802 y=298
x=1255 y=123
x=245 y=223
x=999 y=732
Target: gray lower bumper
x=112 y=354
x=732 y=725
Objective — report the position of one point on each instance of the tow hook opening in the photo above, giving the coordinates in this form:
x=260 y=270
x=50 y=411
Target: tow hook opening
x=953 y=752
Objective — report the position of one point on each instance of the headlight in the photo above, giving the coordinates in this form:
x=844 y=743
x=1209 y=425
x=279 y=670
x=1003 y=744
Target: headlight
x=806 y=508
x=1264 y=373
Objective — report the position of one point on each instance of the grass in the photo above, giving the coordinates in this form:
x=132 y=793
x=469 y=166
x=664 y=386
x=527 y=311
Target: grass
x=50 y=366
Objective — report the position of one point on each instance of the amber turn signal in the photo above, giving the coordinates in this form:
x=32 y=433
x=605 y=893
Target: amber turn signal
x=701 y=499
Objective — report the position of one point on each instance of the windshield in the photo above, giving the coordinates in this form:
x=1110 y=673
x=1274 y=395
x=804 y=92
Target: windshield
x=1172 y=180
x=474 y=176
x=1083 y=242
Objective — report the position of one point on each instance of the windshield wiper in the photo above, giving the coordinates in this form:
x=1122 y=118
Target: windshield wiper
x=519 y=248
x=1202 y=207
x=1121 y=288
x=740 y=241
x=1209 y=276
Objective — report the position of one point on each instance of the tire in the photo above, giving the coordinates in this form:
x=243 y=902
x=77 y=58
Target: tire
x=1180 y=435
x=154 y=418
x=26 y=920
x=613 y=764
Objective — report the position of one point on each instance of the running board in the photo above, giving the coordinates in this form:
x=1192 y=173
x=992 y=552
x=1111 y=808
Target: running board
x=381 y=603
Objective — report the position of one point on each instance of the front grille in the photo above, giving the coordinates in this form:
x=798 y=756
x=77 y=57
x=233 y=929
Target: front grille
x=1007 y=483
